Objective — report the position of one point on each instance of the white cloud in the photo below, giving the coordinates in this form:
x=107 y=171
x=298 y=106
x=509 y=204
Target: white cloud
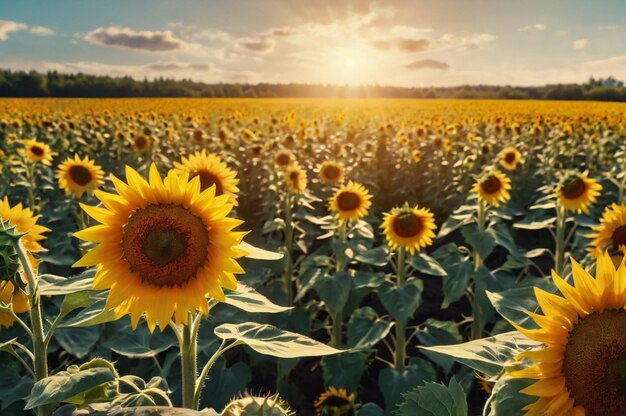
x=124 y=37
x=580 y=44
x=8 y=26
x=537 y=27
x=255 y=45
x=41 y=31
x=607 y=28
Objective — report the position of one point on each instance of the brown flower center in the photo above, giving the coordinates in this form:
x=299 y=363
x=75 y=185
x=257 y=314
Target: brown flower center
x=165 y=244
x=594 y=365
x=208 y=179
x=574 y=189
x=331 y=172
x=348 y=201
x=407 y=225
x=491 y=185
x=283 y=159
x=509 y=157
x=619 y=237
x=141 y=142
x=37 y=150
x=80 y=175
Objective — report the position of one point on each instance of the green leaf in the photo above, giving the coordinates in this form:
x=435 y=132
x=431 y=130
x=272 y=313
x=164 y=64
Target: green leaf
x=345 y=370
x=366 y=329
x=401 y=301
x=140 y=343
x=456 y=282
x=334 y=290
x=482 y=242
x=507 y=399
x=258 y=253
x=378 y=256
x=73 y=301
x=535 y=225
x=95 y=314
x=269 y=340
x=371 y=409
x=14 y=385
x=514 y=304
x=434 y=333
x=433 y=399
x=249 y=300
x=52 y=285
x=77 y=341
x=488 y=355
x=393 y=383
x=424 y=263
x=225 y=383
x=71 y=387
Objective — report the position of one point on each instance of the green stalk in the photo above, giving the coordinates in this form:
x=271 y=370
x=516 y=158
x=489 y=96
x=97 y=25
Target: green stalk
x=31 y=188
x=481 y=219
x=288 y=276
x=559 y=251
x=400 y=345
x=188 y=357
x=40 y=353
x=337 y=319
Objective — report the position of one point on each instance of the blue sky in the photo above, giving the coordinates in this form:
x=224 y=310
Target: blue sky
x=392 y=42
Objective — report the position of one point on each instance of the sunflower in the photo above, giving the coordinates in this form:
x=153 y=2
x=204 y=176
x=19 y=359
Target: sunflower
x=77 y=176
x=493 y=187
x=284 y=158
x=141 y=143
x=408 y=227
x=163 y=245
x=611 y=233
x=577 y=192
x=295 y=177
x=38 y=152
x=25 y=223
x=580 y=371
x=350 y=202
x=416 y=155
x=331 y=172
x=510 y=158
x=212 y=171
x=335 y=402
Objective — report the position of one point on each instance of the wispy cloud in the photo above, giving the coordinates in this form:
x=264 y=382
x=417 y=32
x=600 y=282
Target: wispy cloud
x=8 y=26
x=41 y=31
x=124 y=37
x=405 y=45
x=537 y=27
x=427 y=64
x=607 y=28
x=580 y=44
x=178 y=67
x=256 y=45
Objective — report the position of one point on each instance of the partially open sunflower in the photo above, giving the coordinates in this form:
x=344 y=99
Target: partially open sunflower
x=409 y=227
x=493 y=187
x=577 y=192
x=295 y=178
x=25 y=223
x=38 y=152
x=580 y=371
x=77 y=176
x=212 y=171
x=350 y=202
x=335 y=402
x=510 y=158
x=611 y=233
x=331 y=172
x=162 y=247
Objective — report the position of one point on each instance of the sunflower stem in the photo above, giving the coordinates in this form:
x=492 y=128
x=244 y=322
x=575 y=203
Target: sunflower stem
x=400 y=344
x=189 y=364
x=559 y=251
x=481 y=220
x=40 y=353
x=336 y=333
x=288 y=276
x=31 y=189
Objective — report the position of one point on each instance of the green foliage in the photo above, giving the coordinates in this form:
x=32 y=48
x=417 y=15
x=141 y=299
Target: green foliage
x=434 y=399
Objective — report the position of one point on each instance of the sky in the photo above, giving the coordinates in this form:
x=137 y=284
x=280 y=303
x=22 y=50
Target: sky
x=387 y=42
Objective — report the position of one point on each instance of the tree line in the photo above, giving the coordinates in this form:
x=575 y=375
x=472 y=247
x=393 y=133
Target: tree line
x=55 y=84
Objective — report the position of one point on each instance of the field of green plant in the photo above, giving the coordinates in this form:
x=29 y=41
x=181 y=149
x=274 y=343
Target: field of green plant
x=312 y=257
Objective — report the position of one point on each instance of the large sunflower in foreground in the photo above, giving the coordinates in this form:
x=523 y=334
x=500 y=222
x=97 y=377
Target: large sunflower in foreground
x=212 y=171
x=350 y=202
x=493 y=187
x=611 y=233
x=335 y=402
x=38 y=152
x=510 y=158
x=577 y=192
x=581 y=369
x=163 y=246
x=331 y=172
x=77 y=176
x=408 y=227
x=25 y=223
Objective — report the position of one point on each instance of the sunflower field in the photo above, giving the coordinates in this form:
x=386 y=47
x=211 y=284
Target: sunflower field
x=312 y=257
